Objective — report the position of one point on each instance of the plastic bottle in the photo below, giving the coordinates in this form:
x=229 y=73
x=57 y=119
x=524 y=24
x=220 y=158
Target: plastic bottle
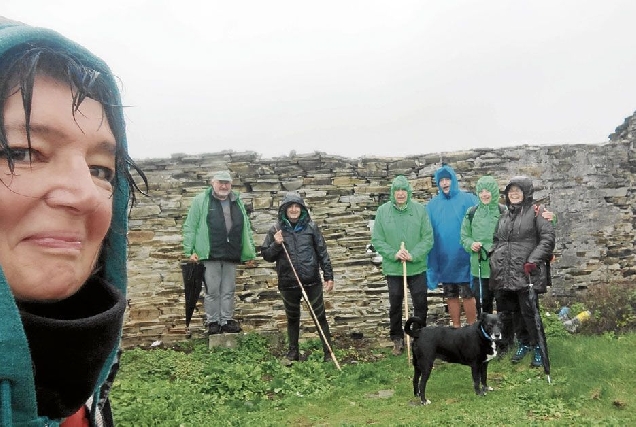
x=573 y=325
x=564 y=314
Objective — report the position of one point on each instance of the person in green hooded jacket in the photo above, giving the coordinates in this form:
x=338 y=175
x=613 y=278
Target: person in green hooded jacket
x=399 y=221
x=217 y=232
x=478 y=228
x=65 y=190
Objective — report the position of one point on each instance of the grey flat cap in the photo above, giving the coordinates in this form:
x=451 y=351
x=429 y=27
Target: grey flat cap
x=222 y=176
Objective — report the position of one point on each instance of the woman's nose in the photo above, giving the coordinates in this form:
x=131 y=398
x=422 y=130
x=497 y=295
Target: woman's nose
x=73 y=187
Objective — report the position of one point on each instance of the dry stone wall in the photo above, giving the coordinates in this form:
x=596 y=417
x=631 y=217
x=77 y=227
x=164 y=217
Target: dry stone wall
x=591 y=187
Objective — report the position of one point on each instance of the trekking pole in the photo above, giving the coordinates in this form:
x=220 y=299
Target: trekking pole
x=311 y=310
x=481 y=288
x=406 y=308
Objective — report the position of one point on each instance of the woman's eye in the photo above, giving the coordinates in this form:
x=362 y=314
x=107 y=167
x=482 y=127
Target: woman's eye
x=103 y=173
x=18 y=154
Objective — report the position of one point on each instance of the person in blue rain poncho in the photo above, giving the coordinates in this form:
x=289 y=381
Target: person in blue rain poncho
x=448 y=262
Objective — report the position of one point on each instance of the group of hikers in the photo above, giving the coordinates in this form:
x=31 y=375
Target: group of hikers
x=66 y=187
x=477 y=250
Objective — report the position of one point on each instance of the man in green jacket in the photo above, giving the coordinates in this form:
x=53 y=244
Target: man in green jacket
x=217 y=232
x=403 y=220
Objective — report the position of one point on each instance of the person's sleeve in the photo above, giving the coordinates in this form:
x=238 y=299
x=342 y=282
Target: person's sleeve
x=466 y=233
x=378 y=237
x=248 y=251
x=320 y=245
x=425 y=244
x=270 y=251
x=544 y=249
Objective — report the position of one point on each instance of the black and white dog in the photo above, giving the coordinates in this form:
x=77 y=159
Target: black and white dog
x=473 y=345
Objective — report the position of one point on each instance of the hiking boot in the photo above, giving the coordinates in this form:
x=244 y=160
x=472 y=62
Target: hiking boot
x=293 y=355
x=537 y=360
x=214 y=328
x=231 y=327
x=522 y=350
x=398 y=346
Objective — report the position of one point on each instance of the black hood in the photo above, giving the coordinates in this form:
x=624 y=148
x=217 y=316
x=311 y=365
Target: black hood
x=525 y=183
x=288 y=200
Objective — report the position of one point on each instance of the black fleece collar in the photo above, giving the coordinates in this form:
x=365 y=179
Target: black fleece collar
x=69 y=342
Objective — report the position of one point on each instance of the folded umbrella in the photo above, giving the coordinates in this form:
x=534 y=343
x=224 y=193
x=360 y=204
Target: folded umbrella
x=192 y=273
x=541 y=341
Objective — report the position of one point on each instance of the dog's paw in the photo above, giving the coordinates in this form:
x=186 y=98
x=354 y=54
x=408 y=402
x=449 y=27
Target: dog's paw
x=426 y=402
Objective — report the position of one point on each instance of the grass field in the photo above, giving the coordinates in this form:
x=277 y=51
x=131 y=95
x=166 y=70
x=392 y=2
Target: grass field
x=593 y=383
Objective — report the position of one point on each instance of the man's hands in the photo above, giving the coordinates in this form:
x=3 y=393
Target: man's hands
x=529 y=267
x=194 y=257
x=278 y=237
x=328 y=286
x=476 y=246
x=403 y=255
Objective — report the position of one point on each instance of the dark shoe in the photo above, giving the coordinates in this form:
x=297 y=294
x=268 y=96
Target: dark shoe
x=293 y=355
x=214 y=328
x=522 y=350
x=537 y=360
x=398 y=346
x=231 y=327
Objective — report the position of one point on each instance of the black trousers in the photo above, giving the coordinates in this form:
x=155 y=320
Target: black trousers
x=292 y=301
x=487 y=296
x=517 y=305
x=419 y=295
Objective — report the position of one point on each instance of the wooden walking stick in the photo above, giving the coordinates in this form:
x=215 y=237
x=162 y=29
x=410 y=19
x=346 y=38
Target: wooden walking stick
x=311 y=310
x=406 y=309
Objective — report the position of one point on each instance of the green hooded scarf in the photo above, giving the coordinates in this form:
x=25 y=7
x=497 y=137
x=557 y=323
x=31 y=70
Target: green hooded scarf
x=101 y=300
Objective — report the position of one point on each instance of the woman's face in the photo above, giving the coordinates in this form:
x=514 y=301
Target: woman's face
x=55 y=209
x=485 y=196
x=515 y=195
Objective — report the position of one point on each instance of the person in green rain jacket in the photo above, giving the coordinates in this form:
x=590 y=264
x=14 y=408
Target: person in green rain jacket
x=217 y=233
x=403 y=220
x=478 y=228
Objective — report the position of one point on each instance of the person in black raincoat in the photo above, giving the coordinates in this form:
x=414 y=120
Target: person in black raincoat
x=307 y=249
x=523 y=243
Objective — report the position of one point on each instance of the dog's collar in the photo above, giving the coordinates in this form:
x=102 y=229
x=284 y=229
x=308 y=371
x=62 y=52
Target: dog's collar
x=483 y=332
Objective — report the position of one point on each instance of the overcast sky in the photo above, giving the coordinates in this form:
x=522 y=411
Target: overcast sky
x=357 y=78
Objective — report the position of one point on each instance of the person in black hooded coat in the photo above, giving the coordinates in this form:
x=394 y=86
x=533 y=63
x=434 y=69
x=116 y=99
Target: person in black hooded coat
x=523 y=243
x=308 y=252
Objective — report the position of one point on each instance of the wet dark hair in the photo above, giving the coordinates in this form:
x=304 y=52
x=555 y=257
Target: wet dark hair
x=18 y=69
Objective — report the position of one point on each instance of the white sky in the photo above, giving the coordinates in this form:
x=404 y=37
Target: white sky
x=357 y=78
